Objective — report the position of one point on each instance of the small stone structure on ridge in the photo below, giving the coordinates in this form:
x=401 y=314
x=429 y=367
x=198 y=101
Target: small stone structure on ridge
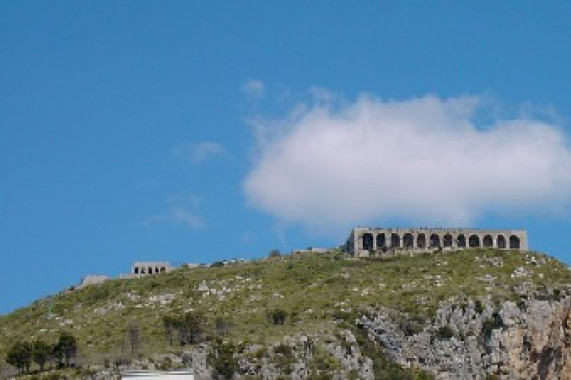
x=366 y=241
x=93 y=279
x=142 y=268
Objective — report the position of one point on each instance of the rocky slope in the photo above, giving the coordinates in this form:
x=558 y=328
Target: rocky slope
x=529 y=340
x=447 y=315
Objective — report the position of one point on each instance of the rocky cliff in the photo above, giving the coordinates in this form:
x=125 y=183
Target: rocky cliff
x=530 y=339
x=526 y=340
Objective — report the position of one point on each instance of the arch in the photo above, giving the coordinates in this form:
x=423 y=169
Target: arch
x=474 y=241
x=502 y=242
x=156 y=269
x=163 y=269
x=395 y=240
x=142 y=270
x=408 y=240
x=381 y=240
x=447 y=241
x=136 y=270
x=367 y=241
x=461 y=241
x=514 y=242
x=421 y=241
x=434 y=241
x=150 y=271
x=488 y=241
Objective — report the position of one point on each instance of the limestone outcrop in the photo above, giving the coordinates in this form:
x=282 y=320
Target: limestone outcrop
x=530 y=339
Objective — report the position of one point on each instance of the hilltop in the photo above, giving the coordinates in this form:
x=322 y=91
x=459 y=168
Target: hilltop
x=323 y=315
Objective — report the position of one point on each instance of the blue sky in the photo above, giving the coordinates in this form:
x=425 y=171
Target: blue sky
x=198 y=131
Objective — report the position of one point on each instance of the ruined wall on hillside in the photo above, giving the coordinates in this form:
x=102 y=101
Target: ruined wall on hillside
x=367 y=241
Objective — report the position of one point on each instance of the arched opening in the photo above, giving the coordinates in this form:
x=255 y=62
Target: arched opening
x=143 y=270
x=461 y=241
x=434 y=241
x=381 y=241
x=136 y=270
x=156 y=269
x=395 y=240
x=501 y=242
x=421 y=241
x=163 y=269
x=514 y=242
x=447 y=241
x=488 y=241
x=408 y=240
x=367 y=242
x=474 y=241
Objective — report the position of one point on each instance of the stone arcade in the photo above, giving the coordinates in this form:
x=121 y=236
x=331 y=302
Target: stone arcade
x=365 y=241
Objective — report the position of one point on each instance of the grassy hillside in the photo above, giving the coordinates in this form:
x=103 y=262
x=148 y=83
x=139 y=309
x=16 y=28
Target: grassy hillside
x=313 y=289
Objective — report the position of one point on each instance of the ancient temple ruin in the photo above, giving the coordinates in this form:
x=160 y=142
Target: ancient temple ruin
x=141 y=268
x=365 y=241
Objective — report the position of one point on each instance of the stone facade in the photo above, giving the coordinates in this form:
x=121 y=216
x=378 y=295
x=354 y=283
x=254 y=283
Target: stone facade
x=142 y=268
x=365 y=241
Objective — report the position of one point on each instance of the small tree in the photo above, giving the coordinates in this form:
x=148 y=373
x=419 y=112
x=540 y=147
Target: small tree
x=192 y=328
x=66 y=348
x=41 y=352
x=223 y=361
x=222 y=326
x=170 y=327
x=189 y=328
x=278 y=316
x=133 y=337
x=275 y=253
x=20 y=356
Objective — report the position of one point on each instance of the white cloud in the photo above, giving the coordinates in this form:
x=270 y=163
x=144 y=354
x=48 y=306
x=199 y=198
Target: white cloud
x=423 y=160
x=197 y=152
x=176 y=215
x=179 y=215
x=180 y=212
x=254 y=88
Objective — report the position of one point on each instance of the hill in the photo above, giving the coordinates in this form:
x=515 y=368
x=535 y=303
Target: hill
x=473 y=313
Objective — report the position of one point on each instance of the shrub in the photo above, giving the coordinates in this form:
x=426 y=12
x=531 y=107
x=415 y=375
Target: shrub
x=278 y=316
x=223 y=362
x=340 y=315
x=411 y=326
x=284 y=350
x=493 y=323
x=223 y=326
x=478 y=307
x=275 y=253
x=166 y=364
x=444 y=333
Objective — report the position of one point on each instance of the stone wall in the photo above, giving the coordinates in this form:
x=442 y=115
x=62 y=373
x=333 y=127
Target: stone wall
x=364 y=241
x=142 y=268
x=93 y=279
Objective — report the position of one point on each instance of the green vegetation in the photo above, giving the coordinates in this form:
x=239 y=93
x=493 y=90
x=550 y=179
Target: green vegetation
x=263 y=301
x=222 y=360
x=495 y=322
x=444 y=332
x=22 y=353
x=277 y=316
x=188 y=328
x=384 y=368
